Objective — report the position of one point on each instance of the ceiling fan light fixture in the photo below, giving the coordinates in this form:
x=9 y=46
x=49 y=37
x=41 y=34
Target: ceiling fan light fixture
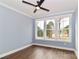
x=37 y=7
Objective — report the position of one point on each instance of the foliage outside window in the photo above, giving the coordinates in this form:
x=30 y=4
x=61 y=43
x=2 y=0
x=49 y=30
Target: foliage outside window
x=40 y=29
x=50 y=29
x=64 y=28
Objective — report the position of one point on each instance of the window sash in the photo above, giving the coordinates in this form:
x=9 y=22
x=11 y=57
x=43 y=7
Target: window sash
x=36 y=31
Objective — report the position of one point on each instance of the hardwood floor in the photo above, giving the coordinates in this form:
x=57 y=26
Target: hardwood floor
x=39 y=52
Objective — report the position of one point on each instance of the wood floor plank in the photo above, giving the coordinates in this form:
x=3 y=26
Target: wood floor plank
x=40 y=52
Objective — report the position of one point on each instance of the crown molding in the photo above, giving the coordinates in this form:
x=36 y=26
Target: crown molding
x=57 y=14
x=18 y=11
x=45 y=16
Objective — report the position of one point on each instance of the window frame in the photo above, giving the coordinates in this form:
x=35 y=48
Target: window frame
x=36 y=31
x=70 y=28
x=56 y=24
x=53 y=18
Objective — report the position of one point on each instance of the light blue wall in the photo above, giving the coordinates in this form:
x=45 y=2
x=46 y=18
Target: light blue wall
x=76 y=29
x=15 y=30
x=70 y=45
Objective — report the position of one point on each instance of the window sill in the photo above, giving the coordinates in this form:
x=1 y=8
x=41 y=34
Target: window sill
x=68 y=41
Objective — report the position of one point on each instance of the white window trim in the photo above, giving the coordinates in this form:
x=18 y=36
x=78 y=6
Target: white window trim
x=55 y=17
x=36 y=32
x=49 y=29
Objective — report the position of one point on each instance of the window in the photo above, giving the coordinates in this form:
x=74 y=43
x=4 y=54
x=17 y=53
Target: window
x=54 y=29
x=64 y=28
x=50 y=29
x=40 y=29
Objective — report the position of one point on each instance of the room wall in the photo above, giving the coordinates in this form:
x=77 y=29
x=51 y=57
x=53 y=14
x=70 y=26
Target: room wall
x=69 y=45
x=76 y=33
x=15 y=30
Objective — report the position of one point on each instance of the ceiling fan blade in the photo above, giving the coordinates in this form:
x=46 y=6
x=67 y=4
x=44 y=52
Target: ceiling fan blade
x=29 y=3
x=40 y=2
x=44 y=9
x=35 y=11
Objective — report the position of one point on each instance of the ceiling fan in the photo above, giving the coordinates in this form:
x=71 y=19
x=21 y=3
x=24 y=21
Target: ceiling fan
x=38 y=6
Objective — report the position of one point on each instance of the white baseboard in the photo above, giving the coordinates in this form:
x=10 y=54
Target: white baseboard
x=76 y=53
x=16 y=50
x=70 y=49
x=53 y=46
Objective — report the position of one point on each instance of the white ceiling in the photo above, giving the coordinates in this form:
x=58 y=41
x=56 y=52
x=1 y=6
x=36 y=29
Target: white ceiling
x=55 y=6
